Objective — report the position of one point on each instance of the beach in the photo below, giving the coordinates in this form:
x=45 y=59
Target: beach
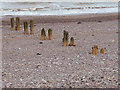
x=29 y=62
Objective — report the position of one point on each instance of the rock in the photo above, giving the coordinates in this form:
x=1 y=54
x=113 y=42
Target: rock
x=105 y=83
x=102 y=77
x=9 y=85
x=4 y=74
x=117 y=32
x=19 y=48
x=41 y=43
x=38 y=54
x=56 y=63
x=75 y=34
x=99 y=21
x=49 y=81
x=93 y=35
x=113 y=40
x=83 y=77
x=103 y=58
x=87 y=84
x=82 y=81
x=57 y=58
x=89 y=53
x=93 y=80
x=44 y=81
x=21 y=79
x=14 y=48
x=78 y=22
x=78 y=56
x=35 y=25
x=38 y=66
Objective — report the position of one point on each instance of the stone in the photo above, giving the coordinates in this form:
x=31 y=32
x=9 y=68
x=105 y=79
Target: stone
x=99 y=21
x=38 y=54
x=41 y=43
x=78 y=22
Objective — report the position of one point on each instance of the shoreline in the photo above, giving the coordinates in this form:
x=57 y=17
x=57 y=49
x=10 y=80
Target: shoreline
x=65 y=18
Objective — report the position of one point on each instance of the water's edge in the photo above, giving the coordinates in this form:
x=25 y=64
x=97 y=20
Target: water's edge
x=57 y=8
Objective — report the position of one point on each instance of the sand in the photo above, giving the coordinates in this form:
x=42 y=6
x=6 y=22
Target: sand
x=29 y=62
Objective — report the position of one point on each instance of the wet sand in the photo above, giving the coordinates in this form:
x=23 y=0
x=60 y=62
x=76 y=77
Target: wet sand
x=29 y=62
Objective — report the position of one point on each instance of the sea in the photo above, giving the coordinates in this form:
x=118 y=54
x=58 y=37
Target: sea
x=56 y=8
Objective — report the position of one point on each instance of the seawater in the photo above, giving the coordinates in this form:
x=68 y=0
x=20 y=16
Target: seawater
x=56 y=8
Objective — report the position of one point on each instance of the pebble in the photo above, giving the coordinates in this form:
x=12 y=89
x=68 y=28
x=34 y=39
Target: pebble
x=117 y=32
x=38 y=66
x=75 y=34
x=41 y=43
x=14 y=48
x=38 y=54
x=68 y=58
x=92 y=34
x=78 y=56
x=93 y=56
x=87 y=84
x=78 y=22
x=76 y=62
x=83 y=77
x=21 y=79
x=9 y=85
x=19 y=48
x=69 y=64
x=63 y=80
x=44 y=81
x=102 y=77
x=103 y=58
x=55 y=62
x=113 y=40
x=4 y=74
x=60 y=63
x=57 y=58
x=99 y=21
x=105 y=83
x=93 y=80
x=5 y=36
x=35 y=25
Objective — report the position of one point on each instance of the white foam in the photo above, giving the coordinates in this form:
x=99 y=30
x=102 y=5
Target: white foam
x=57 y=8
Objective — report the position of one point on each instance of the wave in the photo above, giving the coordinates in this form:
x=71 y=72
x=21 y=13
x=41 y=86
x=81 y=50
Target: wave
x=56 y=8
x=53 y=8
